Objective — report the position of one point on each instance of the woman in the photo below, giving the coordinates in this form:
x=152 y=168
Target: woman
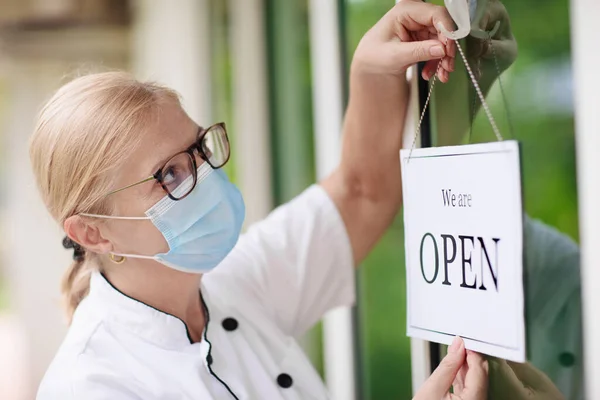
x=146 y=208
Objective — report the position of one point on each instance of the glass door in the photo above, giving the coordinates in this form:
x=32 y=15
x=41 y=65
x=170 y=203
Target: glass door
x=520 y=54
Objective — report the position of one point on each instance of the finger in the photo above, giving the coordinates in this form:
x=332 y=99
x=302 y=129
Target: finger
x=505 y=51
x=503 y=382
x=443 y=75
x=429 y=69
x=450 y=55
x=473 y=48
x=412 y=52
x=498 y=12
x=459 y=382
x=438 y=384
x=485 y=48
x=414 y=15
x=485 y=22
x=476 y=380
x=422 y=34
x=451 y=48
x=448 y=64
x=529 y=375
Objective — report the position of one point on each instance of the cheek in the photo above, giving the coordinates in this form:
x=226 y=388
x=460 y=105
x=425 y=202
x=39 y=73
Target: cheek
x=137 y=237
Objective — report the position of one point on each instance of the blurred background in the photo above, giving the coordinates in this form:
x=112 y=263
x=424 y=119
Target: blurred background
x=255 y=64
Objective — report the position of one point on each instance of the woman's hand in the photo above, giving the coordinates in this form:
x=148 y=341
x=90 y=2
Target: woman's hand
x=465 y=371
x=515 y=381
x=407 y=34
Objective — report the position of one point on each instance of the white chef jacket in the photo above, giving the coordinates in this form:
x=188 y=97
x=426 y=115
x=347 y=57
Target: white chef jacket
x=279 y=280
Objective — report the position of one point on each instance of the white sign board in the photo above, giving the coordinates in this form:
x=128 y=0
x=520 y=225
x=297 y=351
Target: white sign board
x=463 y=224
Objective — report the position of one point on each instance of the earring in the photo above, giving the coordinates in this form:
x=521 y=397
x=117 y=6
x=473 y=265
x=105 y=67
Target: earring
x=116 y=260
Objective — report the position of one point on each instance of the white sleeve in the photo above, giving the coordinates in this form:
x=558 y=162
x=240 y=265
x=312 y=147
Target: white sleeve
x=297 y=262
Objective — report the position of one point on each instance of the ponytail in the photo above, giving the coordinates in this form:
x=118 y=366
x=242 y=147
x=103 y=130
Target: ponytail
x=75 y=283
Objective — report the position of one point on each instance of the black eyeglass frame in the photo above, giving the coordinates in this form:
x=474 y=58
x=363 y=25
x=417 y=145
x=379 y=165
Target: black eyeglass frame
x=196 y=146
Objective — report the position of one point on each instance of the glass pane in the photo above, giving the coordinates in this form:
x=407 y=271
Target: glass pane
x=292 y=147
x=529 y=93
x=385 y=368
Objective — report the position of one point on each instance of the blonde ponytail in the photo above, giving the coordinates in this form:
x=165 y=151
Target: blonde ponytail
x=83 y=135
x=75 y=285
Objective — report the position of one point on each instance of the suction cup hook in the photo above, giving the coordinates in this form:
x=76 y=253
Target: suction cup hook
x=463 y=12
x=478 y=9
x=459 y=11
x=481 y=34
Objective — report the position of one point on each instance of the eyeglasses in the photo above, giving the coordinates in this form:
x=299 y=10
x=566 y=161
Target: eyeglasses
x=211 y=146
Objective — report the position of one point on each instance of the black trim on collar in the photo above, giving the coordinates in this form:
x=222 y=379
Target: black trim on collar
x=209 y=356
x=187 y=332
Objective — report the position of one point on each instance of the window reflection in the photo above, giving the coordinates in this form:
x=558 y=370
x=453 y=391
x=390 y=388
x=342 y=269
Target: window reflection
x=512 y=78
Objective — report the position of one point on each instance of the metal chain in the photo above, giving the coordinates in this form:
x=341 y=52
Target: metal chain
x=418 y=130
x=484 y=104
x=477 y=89
x=506 y=108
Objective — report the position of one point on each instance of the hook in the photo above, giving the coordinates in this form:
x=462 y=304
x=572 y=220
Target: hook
x=459 y=11
x=478 y=8
x=462 y=12
x=481 y=34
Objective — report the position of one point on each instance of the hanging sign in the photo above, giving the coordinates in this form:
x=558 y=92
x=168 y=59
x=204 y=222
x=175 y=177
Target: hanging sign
x=463 y=224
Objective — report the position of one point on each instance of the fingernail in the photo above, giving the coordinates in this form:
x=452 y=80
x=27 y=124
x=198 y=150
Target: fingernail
x=440 y=26
x=437 y=51
x=455 y=346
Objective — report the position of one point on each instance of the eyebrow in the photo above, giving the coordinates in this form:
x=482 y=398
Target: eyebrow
x=161 y=163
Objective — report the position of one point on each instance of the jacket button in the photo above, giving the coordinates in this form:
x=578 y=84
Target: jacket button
x=566 y=359
x=209 y=359
x=230 y=324
x=284 y=380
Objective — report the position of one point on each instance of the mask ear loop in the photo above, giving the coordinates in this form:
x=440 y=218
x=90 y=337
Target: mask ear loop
x=114 y=217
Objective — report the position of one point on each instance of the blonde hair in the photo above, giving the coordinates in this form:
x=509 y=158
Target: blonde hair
x=83 y=135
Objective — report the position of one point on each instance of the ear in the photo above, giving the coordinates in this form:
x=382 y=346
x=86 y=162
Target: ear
x=87 y=235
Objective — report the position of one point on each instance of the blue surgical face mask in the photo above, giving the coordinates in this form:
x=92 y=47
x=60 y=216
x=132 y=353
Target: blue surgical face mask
x=202 y=228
